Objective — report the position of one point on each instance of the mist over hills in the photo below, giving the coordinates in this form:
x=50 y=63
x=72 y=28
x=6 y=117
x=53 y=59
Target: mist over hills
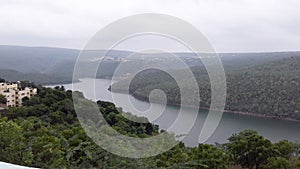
x=43 y=65
x=34 y=59
x=46 y=65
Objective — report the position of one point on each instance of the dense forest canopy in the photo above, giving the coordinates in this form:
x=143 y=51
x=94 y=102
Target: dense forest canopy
x=46 y=133
x=270 y=89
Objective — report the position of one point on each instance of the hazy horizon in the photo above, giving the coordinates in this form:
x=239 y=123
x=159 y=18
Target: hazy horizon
x=54 y=47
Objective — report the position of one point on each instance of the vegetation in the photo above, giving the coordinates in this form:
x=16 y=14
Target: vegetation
x=39 y=78
x=45 y=133
x=44 y=65
x=2 y=99
x=2 y=80
x=270 y=89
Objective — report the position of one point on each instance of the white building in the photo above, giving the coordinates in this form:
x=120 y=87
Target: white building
x=14 y=95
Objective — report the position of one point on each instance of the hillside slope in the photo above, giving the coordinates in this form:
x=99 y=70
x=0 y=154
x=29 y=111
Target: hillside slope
x=57 y=64
x=38 y=78
x=271 y=89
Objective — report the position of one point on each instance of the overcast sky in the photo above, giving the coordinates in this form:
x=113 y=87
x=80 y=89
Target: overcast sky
x=231 y=25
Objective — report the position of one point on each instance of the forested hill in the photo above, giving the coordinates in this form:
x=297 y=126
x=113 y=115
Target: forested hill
x=40 y=78
x=270 y=89
x=46 y=65
x=45 y=133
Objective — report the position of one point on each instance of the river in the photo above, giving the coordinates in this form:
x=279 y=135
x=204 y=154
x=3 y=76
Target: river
x=272 y=129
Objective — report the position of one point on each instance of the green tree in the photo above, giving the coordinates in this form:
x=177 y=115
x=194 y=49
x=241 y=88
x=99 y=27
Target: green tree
x=24 y=99
x=174 y=157
x=249 y=149
x=285 y=149
x=297 y=164
x=277 y=163
x=2 y=99
x=12 y=147
x=209 y=156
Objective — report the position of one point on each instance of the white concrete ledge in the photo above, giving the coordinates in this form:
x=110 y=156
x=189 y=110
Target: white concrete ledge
x=12 y=166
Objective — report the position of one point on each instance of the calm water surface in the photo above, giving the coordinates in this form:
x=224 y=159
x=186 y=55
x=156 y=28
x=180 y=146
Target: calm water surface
x=274 y=130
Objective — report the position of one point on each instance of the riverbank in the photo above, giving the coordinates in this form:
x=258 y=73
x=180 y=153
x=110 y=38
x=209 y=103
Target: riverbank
x=273 y=129
x=145 y=99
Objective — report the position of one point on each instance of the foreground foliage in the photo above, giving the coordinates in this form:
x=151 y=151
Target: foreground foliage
x=45 y=133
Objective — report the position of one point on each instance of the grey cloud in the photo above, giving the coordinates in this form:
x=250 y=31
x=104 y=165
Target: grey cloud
x=231 y=25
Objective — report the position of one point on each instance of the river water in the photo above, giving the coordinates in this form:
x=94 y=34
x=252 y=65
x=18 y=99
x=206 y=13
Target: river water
x=272 y=129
